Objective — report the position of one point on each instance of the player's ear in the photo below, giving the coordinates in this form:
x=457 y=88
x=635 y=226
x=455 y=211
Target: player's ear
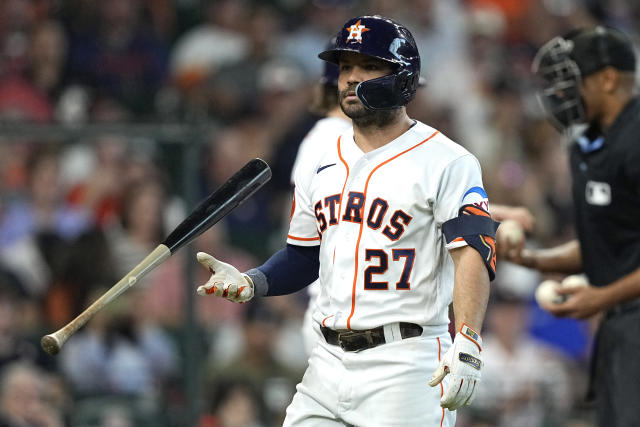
x=609 y=80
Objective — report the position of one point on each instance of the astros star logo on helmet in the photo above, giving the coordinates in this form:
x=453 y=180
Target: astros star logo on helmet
x=355 y=32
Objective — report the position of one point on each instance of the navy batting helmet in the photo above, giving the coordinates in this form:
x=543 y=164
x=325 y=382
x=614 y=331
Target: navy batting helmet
x=385 y=39
x=329 y=74
x=330 y=70
x=564 y=61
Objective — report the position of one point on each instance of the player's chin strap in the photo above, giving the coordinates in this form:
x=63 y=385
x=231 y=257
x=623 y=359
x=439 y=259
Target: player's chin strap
x=476 y=227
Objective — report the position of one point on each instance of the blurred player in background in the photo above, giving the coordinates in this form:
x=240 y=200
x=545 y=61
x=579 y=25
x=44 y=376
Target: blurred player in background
x=326 y=130
x=392 y=217
x=588 y=78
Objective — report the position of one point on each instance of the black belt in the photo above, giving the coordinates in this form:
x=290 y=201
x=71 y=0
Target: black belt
x=365 y=339
x=623 y=307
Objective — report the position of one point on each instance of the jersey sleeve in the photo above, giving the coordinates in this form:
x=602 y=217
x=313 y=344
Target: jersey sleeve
x=303 y=229
x=460 y=184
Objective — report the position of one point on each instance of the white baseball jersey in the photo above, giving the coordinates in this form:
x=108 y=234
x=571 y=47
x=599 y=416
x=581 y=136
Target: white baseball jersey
x=322 y=135
x=377 y=217
x=319 y=139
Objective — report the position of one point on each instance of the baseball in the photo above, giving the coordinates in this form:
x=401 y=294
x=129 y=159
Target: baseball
x=574 y=280
x=511 y=231
x=546 y=293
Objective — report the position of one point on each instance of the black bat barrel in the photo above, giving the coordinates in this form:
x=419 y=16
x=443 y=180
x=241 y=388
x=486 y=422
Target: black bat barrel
x=232 y=193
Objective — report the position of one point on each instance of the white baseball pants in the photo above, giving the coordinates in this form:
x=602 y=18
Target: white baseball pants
x=383 y=386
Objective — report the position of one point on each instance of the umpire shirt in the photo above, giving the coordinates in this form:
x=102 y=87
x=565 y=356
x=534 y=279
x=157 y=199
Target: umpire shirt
x=606 y=191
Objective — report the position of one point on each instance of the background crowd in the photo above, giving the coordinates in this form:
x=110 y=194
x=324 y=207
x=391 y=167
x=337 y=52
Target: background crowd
x=77 y=214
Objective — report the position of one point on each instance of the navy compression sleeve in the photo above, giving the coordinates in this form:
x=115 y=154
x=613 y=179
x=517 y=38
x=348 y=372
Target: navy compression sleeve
x=287 y=271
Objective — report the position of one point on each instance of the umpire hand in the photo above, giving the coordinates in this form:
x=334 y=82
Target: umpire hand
x=463 y=362
x=225 y=281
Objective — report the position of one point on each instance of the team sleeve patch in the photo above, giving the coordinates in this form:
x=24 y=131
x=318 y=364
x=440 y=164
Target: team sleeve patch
x=476 y=196
x=476 y=227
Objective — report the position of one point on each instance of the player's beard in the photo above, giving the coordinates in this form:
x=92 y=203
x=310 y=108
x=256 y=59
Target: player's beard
x=362 y=116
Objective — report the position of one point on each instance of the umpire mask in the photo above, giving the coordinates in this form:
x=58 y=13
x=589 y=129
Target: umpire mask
x=560 y=79
x=563 y=62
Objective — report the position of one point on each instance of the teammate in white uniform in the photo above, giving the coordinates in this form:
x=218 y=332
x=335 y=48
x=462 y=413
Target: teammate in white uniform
x=322 y=135
x=394 y=219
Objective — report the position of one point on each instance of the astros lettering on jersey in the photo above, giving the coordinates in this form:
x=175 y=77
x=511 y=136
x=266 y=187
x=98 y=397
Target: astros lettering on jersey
x=383 y=257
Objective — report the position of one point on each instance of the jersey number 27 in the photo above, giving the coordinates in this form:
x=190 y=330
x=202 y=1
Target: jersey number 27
x=408 y=255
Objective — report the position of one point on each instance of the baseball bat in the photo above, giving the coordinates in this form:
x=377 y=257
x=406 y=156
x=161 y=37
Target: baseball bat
x=232 y=193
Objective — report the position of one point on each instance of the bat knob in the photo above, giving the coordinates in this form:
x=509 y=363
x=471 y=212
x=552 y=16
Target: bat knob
x=50 y=344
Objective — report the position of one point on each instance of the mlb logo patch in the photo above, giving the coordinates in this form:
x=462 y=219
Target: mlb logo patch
x=598 y=193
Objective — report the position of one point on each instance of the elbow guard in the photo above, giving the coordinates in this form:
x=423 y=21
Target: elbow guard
x=475 y=226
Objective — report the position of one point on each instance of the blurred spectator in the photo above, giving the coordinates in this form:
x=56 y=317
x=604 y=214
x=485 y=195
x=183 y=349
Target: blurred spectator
x=16 y=19
x=32 y=73
x=234 y=404
x=118 y=58
x=290 y=339
x=256 y=364
x=140 y=230
x=100 y=188
x=43 y=209
x=162 y=17
x=283 y=95
x=309 y=29
x=86 y=266
x=20 y=101
x=13 y=345
x=142 y=227
x=249 y=226
x=118 y=354
x=232 y=89
x=515 y=14
x=35 y=228
x=203 y=49
x=47 y=58
x=24 y=399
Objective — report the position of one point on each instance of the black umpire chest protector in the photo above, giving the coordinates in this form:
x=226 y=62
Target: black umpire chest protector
x=606 y=194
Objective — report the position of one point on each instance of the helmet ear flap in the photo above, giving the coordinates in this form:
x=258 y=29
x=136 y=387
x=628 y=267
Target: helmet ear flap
x=407 y=83
x=388 y=92
x=381 y=93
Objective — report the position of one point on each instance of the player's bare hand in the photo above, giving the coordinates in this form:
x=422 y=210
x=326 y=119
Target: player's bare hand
x=225 y=281
x=582 y=302
x=511 y=250
x=463 y=363
x=521 y=215
x=510 y=244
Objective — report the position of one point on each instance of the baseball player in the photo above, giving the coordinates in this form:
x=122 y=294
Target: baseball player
x=314 y=144
x=589 y=79
x=393 y=220
x=328 y=128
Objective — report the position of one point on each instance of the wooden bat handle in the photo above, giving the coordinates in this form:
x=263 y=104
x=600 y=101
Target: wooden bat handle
x=53 y=342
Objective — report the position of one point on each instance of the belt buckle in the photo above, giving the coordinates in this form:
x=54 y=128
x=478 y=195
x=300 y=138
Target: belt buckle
x=350 y=334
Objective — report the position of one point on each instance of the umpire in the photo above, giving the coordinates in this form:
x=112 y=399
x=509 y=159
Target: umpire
x=588 y=81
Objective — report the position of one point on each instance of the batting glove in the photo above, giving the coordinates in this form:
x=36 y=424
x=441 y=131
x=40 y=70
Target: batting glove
x=462 y=361
x=225 y=281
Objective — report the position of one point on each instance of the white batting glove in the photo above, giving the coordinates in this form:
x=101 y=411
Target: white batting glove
x=225 y=281
x=463 y=362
